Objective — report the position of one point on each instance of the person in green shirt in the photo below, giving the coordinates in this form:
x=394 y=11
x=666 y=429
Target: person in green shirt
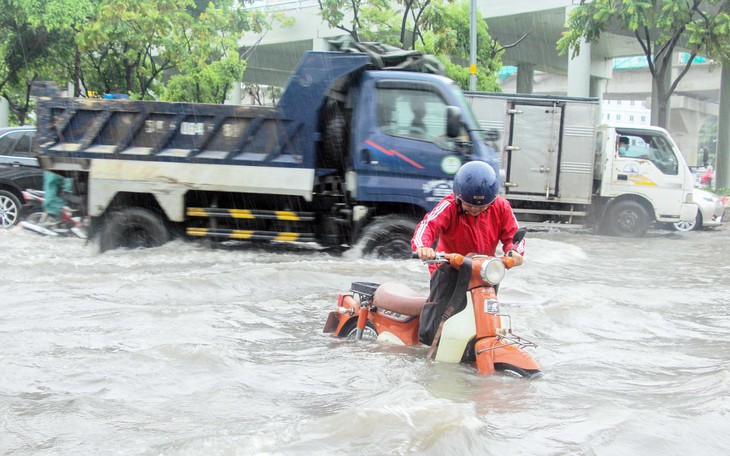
x=54 y=187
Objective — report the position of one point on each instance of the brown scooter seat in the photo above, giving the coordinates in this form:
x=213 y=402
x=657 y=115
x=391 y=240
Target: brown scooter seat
x=399 y=298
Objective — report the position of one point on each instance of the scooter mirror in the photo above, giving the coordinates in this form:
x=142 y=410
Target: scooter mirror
x=519 y=235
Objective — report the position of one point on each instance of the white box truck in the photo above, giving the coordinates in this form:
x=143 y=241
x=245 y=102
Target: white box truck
x=560 y=165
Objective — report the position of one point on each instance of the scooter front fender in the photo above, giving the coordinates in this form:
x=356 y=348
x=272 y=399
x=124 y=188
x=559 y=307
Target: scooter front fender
x=494 y=354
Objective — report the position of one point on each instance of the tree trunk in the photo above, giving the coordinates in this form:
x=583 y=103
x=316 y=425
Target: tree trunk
x=77 y=72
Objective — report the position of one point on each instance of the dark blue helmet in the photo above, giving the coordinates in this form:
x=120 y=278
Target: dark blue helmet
x=476 y=183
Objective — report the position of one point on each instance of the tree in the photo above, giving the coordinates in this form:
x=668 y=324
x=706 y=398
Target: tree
x=446 y=34
x=27 y=53
x=65 y=18
x=661 y=27
x=182 y=50
x=433 y=27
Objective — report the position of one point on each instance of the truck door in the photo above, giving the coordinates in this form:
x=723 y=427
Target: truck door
x=404 y=154
x=533 y=148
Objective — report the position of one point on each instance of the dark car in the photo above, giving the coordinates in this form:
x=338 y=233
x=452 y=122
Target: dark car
x=19 y=170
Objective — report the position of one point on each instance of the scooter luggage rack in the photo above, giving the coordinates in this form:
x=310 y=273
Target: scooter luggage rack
x=364 y=289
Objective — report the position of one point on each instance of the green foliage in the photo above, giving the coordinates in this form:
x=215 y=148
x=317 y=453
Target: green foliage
x=433 y=27
x=446 y=34
x=27 y=53
x=176 y=49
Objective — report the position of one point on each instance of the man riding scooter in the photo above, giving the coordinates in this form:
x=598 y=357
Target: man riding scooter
x=54 y=186
x=472 y=220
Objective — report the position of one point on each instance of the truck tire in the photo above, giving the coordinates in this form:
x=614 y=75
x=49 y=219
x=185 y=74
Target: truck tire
x=388 y=237
x=336 y=135
x=133 y=228
x=9 y=209
x=626 y=219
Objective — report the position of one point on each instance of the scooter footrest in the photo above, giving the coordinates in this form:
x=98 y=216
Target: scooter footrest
x=364 y=288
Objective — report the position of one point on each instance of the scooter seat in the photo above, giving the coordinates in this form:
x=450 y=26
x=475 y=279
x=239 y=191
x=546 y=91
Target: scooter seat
x=399 y=298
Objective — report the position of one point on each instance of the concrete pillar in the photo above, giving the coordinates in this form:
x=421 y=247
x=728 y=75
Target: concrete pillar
x=598 y=87
x=525 y=77
x=579 y=68
x=234 y=98
x=722 y=162
x=4 y=112
x=320 y=44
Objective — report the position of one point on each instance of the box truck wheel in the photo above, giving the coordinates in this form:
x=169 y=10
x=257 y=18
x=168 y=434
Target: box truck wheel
x=388 y=237
x=133 y=228
x=626 y=219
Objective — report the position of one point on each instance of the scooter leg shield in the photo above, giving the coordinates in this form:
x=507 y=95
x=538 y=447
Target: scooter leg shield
x=485 y=355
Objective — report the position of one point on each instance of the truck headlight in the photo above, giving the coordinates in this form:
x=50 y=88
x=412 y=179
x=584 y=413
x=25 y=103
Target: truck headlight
x=492 y=271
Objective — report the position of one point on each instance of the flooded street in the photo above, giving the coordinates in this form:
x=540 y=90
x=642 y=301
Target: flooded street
x=186 y=349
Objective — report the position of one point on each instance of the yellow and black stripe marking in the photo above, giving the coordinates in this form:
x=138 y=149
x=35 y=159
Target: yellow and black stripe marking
x=251 y=235
x=250 y=214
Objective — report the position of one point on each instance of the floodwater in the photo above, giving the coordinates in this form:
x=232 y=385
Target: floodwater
x=187 y=350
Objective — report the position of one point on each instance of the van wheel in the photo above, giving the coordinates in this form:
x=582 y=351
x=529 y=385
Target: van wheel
x=133 y=228
x=388 y=237
x=626 y=219
x=9 y=209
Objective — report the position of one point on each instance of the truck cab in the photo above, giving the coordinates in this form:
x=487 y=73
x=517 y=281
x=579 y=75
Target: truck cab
x=642 y=165
x=412 y=133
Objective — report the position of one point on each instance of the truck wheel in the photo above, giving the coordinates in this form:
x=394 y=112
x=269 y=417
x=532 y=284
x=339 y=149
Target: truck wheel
x=626 y=219
x=388 y=237
x=9 y=209
x=335 y=137
x=133 y=228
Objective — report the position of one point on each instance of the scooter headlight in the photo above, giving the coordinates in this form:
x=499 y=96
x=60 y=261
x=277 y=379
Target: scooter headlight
x=492 y=271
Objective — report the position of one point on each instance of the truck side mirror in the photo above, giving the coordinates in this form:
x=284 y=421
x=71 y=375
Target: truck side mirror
x=453 y=121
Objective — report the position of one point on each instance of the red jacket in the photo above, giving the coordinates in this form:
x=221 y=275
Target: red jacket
x=459 y=232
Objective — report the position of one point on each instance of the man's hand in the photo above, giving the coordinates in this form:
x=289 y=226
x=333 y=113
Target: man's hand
x=426 y=253
x=515 y=256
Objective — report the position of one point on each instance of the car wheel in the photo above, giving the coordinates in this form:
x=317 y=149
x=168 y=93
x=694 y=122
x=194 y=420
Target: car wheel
x=695 y=224
x=9 y=209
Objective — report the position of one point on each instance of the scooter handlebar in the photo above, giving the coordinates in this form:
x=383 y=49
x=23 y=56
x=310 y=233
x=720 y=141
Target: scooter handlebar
x=441 y=257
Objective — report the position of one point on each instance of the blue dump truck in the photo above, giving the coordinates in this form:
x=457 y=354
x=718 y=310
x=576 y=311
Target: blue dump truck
x=353 y=154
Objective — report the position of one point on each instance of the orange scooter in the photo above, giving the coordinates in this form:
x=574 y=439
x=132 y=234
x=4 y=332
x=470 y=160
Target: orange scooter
x=479 y=334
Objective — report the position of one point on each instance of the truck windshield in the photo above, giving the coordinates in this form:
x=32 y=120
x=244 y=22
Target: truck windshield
x=647 y=145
